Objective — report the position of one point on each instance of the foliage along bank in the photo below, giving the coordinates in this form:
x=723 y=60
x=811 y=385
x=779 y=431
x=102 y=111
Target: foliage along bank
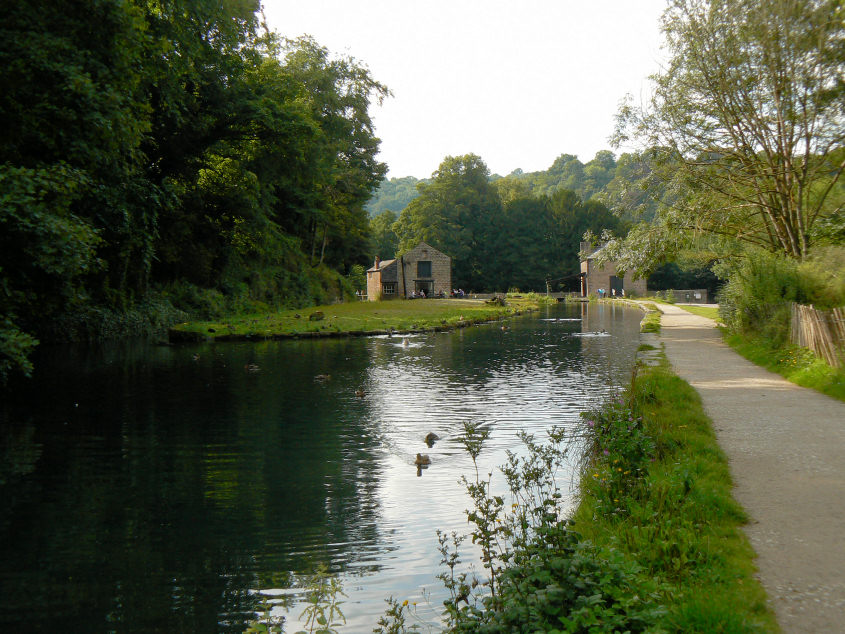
x=160 y=154
x=654 y=544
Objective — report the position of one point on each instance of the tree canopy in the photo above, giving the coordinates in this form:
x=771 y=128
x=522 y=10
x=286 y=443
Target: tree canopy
x=745 y=129
x=498 y=234
x=173 y=149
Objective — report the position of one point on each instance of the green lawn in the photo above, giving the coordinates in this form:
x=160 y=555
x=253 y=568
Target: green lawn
x=358 y=318
x=710 y=312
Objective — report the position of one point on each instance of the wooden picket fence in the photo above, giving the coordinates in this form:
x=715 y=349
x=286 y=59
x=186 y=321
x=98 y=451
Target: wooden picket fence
x=822 y=331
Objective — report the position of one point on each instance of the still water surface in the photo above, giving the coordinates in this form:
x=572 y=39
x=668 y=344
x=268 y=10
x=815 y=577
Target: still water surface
x=166 y=489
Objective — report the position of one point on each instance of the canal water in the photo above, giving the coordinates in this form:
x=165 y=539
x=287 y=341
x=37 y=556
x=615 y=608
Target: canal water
x=165 y=489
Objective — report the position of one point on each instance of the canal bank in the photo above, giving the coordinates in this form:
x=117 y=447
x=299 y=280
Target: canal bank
x=786 y=450
x=357 y=319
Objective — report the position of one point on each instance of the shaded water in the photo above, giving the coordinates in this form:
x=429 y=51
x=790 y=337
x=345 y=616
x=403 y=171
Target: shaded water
x=159 y=488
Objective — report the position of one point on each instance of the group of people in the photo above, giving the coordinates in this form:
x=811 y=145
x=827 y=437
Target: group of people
x=421 y=294
x=602 y=293
x=457 y=292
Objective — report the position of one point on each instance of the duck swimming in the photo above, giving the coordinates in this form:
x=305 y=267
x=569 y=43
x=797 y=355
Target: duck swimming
x=360 y=393
x=430 y=437
x=422 y=459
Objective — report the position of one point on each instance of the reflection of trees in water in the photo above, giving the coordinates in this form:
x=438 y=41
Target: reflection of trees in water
x=176 y=486
x=19 y=453
x=150 y=489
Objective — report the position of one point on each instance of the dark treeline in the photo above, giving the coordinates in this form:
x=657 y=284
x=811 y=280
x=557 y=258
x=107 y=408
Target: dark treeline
x=161 y=154
x=500 y=234
x=616 y=182
x=522 y=229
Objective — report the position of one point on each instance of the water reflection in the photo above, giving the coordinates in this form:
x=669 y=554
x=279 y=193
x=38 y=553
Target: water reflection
x=157 y=489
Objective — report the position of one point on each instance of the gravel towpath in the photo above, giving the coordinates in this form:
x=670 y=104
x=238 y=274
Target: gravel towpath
x=786 y=450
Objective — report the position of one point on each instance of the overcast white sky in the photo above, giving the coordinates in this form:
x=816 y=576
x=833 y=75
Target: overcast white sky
x=516 y=82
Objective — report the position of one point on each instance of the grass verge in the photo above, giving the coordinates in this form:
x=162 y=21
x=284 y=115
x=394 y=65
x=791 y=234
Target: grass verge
x=657 y=488
x=796 y=364
x=356 y=318
x=654 y=546
x=651 y=321
x=711 y=312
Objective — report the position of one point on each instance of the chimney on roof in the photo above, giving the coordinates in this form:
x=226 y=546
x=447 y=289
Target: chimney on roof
x=377 y=262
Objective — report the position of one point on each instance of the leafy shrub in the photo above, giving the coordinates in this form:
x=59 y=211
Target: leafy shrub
x=541 y=576
x=97 y=323
x=357 y=277
x=757 y=296
x=15 y=347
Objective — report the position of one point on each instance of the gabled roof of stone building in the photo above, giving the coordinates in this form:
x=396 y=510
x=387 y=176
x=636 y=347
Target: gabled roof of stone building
x=386 y=272
x=422 y=246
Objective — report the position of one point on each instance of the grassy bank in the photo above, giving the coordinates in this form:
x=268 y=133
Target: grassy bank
x=711 y=312
x=796 y=364
x=356 y=318
x=658 y=490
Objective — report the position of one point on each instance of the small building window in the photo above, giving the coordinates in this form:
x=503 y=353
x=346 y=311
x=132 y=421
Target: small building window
x=424 y=268
x=389 y=288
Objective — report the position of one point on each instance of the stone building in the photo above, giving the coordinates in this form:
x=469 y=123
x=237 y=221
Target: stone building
x=423 y=268
x=595 y=277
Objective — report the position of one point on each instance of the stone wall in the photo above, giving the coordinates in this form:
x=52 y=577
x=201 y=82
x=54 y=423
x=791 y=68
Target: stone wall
x=381 y=279
x=596 y=277
x=440 y=279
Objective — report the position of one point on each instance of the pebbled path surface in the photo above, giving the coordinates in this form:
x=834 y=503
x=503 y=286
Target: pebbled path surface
x=786 y=450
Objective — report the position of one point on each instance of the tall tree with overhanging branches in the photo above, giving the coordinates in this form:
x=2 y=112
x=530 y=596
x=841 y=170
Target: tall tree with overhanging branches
x=745 y=126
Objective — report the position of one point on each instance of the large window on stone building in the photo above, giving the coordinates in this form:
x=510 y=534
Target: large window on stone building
x=424 y=268
x=388 y=288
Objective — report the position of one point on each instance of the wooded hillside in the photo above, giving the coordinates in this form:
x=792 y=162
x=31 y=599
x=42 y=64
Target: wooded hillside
x=159 y=154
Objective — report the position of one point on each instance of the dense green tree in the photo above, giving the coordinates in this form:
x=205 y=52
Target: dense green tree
x=72 y=196
x=340 y=91
x=524 y=255
x=498 y=234
x=671 y=275
x=158 y=141
x=453 y=213
x=572 y=220
x=385 y=240
x=598 y=173
x=566 y=172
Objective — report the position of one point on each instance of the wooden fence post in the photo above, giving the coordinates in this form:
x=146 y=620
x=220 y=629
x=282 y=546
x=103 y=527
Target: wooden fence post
x=823 y=332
